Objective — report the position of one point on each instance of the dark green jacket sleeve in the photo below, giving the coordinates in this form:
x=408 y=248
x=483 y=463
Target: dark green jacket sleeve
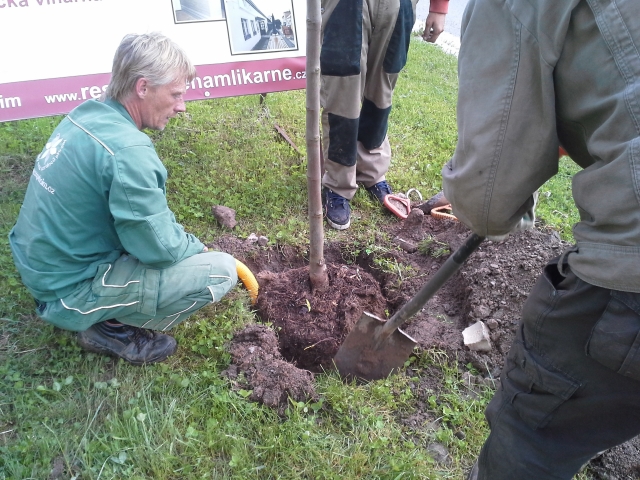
x=145 y=225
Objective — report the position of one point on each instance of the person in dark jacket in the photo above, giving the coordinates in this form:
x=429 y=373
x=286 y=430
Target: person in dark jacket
x=535 y=74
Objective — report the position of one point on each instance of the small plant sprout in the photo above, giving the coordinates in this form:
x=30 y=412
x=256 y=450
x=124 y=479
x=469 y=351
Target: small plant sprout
x=429 y=246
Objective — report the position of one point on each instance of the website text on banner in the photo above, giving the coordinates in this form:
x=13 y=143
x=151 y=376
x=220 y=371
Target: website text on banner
x=39 y=98
x=241 y=47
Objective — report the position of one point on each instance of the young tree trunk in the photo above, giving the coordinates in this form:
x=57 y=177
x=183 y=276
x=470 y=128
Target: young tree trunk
x=317 y=268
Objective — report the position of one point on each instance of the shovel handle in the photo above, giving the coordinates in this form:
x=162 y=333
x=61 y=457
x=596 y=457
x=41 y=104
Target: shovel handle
x=444 y=273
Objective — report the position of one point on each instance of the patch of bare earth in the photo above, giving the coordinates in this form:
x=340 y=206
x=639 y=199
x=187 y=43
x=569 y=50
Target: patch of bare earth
x=279 y=362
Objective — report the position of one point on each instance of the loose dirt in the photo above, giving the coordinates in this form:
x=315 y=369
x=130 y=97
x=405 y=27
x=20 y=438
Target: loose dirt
x=307 y=328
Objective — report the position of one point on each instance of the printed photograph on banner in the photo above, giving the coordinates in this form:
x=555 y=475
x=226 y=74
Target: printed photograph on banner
x=188 y=11
x=239 y=47
x=260 y=26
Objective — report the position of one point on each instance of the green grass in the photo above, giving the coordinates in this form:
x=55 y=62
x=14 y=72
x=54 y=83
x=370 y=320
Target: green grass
x=81 y=414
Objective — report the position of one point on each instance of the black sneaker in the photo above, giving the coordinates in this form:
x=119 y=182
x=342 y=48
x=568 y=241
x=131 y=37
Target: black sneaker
x=135 y=345
x=380 y=190
x=337 y=209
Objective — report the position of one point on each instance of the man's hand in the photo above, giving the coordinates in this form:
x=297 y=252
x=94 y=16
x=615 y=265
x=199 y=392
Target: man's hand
x=434 y=26
x=527 y=222
x=205 y=249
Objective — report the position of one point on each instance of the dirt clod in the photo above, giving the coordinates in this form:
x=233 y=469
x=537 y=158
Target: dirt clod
x=226 y=216
x=273 y=381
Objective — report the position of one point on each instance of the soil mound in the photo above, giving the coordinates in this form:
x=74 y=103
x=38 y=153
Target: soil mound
x=311 y=326
x=258 y=366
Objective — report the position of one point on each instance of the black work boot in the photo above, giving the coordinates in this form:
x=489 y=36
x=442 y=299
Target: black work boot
x=135 y=345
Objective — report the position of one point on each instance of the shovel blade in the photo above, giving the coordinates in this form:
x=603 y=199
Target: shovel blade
x=362 y=358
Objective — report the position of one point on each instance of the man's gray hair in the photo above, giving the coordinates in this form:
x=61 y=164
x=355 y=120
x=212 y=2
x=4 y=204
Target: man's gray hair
x=152 y=56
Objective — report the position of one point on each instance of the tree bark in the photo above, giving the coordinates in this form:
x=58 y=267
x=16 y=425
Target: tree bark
x=317 y=267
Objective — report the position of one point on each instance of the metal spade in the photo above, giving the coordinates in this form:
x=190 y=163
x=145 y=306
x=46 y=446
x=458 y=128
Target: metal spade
x=375 y=348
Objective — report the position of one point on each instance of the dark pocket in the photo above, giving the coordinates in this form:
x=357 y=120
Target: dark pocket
x=342 y=40
x=534 y=388
x=614 y=340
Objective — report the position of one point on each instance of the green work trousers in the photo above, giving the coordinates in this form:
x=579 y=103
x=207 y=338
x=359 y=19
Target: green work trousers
x=134 y=294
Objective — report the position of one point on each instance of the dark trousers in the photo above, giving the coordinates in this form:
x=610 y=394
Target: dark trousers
x=570 y=387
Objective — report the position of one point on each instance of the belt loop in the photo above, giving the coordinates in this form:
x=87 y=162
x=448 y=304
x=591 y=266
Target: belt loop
x=563 y=261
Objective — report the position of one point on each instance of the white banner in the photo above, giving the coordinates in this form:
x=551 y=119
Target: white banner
x=58 y=53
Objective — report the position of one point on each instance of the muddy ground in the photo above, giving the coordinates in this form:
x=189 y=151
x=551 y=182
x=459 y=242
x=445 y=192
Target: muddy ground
x=309 y=327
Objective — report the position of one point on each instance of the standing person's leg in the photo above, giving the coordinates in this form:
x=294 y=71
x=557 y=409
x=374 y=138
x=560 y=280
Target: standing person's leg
x=113 y=311
x=557 y=406
x=345 y=33
x=388 y=49
x=343 y=67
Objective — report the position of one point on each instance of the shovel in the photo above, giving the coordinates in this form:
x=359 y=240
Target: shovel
x=375 y=348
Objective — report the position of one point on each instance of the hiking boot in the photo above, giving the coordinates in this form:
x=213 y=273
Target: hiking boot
x=380 y=190
x=337 y=209
x=135 y=345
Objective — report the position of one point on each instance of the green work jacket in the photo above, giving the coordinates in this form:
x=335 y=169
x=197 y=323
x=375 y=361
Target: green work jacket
x=97 y=191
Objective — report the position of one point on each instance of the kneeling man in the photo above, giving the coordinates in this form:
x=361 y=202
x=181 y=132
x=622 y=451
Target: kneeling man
x=95 y=242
